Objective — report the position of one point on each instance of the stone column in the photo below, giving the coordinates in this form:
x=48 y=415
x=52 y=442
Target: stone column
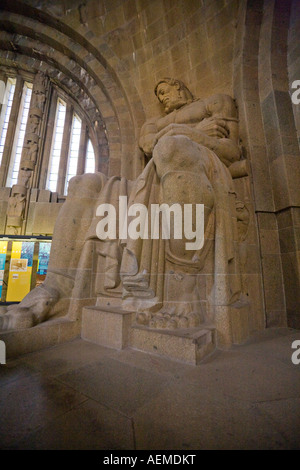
x=17 y=201
x=48 y=142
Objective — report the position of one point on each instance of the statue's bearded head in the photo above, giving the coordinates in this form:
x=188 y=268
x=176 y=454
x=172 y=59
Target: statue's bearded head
x=172 y=93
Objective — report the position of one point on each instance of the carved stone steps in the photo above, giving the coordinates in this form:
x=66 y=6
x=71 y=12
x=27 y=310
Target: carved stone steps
x=112 y=327
x=189 y=346
x=108 y=327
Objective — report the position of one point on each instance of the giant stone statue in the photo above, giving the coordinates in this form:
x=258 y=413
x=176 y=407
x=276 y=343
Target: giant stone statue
x=190 y=149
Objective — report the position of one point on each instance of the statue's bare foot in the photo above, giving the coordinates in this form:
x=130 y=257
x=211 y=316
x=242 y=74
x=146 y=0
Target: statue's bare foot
x=143 y=318
x=16 y=320
x=176 y=316
x=173 y=322
x=33 y=310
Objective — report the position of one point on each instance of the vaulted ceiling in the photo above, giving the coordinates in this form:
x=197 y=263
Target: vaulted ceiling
x=35 y=36
x=108 y=54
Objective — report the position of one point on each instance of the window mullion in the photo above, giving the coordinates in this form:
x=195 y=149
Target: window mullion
x=82 y=149
x=5 y=112
x=13 y=119
x=64 y=151
x=48 y=141
x=4 y=79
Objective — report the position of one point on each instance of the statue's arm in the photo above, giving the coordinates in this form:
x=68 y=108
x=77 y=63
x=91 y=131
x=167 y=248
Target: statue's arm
x=224 y=118
x=224 y=147
x=148 y=137
x=219 y=132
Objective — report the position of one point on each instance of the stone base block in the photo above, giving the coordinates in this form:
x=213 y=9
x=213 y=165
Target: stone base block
x=189 y=346
x=42 y=336
x=107 y=327
x=14 y=221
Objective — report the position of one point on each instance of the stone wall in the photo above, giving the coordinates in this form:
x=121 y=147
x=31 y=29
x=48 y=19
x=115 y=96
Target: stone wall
x=262 y=89
x=116 y=50
x=113 y=51
x=293 y=57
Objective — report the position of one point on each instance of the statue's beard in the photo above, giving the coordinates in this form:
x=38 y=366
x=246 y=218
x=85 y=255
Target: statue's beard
x=170 y=106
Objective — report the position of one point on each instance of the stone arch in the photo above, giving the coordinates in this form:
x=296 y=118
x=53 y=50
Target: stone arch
x=12 y=61
x=73 y=54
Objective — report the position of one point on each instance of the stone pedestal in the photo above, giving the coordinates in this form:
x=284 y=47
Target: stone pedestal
x=108 y=327
x=189 y=346
x=112 y=327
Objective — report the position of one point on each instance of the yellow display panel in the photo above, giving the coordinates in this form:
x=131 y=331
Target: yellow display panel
x=19 y=274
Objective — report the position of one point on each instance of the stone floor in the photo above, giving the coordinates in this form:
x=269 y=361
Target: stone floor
x=82 y=396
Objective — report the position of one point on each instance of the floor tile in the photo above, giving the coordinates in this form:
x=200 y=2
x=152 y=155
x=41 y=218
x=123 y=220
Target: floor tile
x=29 y=403
x=87 y=426
x=187 y=418
x=65 y=357
x=117 y=385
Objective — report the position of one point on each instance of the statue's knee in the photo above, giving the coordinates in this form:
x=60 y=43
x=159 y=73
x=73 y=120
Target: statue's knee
x=165 y=148
x=167 y=142
x=86 y=185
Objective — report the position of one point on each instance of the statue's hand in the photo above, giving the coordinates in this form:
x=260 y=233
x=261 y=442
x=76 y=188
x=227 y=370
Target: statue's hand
x=147 y=139
x=148 y=143
x=214 y=127
x=176 y=129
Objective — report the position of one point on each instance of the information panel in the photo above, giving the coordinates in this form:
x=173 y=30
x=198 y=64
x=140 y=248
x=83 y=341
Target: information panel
x=44 y=254
x=20 y=271
x=3 y=250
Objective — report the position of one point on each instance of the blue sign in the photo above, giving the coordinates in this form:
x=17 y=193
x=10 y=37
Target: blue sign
x=2 y=266
x=44 y=254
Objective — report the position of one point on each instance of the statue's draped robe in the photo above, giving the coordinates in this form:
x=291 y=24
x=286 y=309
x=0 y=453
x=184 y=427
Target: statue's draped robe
x=135 y=269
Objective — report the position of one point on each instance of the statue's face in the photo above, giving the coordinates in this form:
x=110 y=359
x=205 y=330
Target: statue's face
x=170 y=97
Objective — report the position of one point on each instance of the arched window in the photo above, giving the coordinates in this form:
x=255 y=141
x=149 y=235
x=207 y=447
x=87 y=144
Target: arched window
x=74 y=150
x=5 y=112
x=15 y=158
x=71 y=152
x=56 y=145
x=90 y=158
x=65 y=134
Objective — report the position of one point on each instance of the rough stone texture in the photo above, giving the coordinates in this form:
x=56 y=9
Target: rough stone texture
x=41 y=217
x=90 y=397
x=44 y=217
x=122 y=44
x=17 y=206
x=190 y=156
x=42 y=336
x=185 y=346
x=108 y=328
x=266 y=36
x=106 y=56
x=293 y=55
x=4 y=196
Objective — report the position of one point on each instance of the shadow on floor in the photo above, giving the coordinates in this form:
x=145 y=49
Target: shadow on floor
x=79 y=395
